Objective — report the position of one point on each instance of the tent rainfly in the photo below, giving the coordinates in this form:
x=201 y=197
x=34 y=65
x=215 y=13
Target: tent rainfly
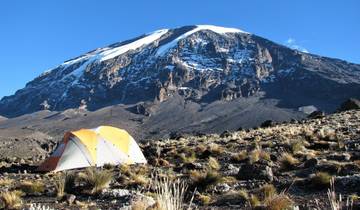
x=94 y=147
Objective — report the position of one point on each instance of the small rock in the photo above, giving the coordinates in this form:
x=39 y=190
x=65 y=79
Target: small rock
x=267 y=123
x=256 y=171
x=222 y=188
x=225 y=134
x=316 y=115
x=145 y=201
x=311 y=163
x=231 y=170
x=192 y=166
x=116 y=193
x=70 y=199
x=339 y=157
x=349 y=169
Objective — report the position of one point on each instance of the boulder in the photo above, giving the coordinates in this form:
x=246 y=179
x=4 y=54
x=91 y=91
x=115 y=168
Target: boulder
x=311 y=163
x=255 y=171
x=350 y=104
x=267 y=123
x=316 y=115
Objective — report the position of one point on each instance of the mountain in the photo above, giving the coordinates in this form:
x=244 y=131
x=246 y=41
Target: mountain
x=194 y=76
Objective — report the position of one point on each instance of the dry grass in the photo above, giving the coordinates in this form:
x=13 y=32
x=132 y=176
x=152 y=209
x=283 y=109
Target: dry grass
x=170 y=195
x=5 y=182
x=321 y=180
x=335 y=202
x=288 y=162
x=60 y=187
x=188 y=158
x=257 y=154
x=65 y=184
x=268 y=191
x=12 y=199
x=228 y=180
x=139 y=179
x=96 y=180
x=279 y=202
x=216 y=149
x=214 y=164
x=297 y=146
x=254 y=201
x=205 y=199
x=31 y=188
x=204 y=179
x=241 y=156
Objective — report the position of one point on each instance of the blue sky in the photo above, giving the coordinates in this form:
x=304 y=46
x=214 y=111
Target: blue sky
x=38 y=35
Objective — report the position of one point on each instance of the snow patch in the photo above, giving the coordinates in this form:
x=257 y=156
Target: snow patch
x=217 y=29
x=308 y=109
x=111 y=53
x=183 y=88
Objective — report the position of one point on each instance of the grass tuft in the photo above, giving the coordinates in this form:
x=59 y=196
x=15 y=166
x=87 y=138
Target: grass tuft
x=96 y=180
x=6 y=182
x=288 y=162
x=279 y=202
x=268 y=191
x=11 y=199
x=204 y=179
x=32 y=188
x=321 y=180
x=170 y=195
x=214 y=164
x=241 y=156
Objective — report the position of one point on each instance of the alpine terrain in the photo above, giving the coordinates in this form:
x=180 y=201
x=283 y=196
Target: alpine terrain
x=190 y=79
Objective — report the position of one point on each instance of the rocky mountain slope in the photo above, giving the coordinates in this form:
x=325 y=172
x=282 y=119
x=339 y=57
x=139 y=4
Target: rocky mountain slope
x=274 y=167
x=193 y=79
x=201 y=64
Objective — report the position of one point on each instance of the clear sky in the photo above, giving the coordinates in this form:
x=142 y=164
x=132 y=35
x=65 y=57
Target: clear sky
x=40 y=34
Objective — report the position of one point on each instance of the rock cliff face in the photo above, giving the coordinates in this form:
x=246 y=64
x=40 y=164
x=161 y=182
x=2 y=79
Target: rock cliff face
x=202 y=64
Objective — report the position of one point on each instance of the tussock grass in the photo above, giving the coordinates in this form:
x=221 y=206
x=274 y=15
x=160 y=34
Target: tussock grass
x=32 y=188
x=214 y=164
x=216 y=149
x=65 y=184
x=321 y=180
x=257 y=154
x=60 y=187
x=254 y=201
x=205 y=199
x=96 y=180
x=288 y=162
x=297 y=146
x=268 y=191
x=188 y=158
x=241 y=156
x=170 y=195
x=11 y=199
x=204 y=179
x=6 y=182
x=279 y=202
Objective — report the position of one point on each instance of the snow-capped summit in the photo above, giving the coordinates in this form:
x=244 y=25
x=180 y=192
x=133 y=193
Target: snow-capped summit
x=201 y=63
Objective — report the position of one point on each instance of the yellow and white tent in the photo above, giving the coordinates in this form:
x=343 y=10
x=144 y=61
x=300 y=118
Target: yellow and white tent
x=94 y=147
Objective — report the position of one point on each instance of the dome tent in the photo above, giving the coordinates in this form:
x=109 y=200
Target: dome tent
x=94 y=147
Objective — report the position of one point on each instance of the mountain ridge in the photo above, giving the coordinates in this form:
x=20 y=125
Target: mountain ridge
x=201 y=64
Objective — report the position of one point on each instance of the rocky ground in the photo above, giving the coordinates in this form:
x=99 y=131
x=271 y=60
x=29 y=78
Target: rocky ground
x=276 y=166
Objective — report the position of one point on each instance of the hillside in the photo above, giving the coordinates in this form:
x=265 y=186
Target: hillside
x=231 y=169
